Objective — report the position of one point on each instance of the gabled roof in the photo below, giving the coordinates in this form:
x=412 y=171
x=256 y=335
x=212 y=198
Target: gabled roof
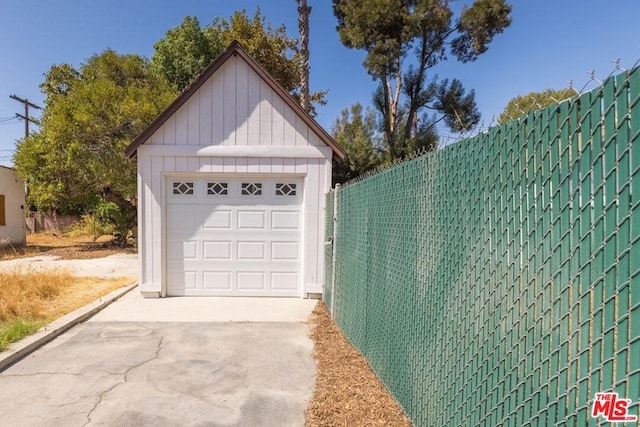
x=234 y=49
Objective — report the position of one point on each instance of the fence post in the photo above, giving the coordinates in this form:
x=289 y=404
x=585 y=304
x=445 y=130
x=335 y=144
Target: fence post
x=333 y=248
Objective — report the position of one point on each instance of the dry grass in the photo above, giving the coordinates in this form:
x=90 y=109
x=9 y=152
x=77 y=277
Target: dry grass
x=83 y=291
x=29 y=298
x=48 y=294
x=347 y=392
x=27 y=294
x=64 y=246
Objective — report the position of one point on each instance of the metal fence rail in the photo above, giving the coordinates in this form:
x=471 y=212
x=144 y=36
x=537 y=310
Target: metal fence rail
x=497 y=281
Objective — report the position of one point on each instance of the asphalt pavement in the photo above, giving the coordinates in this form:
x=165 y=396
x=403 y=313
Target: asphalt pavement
x=169 y=362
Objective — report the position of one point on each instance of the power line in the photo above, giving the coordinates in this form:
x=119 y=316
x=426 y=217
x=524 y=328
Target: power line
x=25 y=117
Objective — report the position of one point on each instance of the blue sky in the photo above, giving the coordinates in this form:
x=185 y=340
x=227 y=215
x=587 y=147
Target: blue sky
x=549 y=43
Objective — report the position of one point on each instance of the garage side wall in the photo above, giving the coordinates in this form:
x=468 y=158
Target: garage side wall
x=152 y=170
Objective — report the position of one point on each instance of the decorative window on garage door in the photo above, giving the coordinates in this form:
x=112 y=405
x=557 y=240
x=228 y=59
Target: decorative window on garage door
x=183 y=188
x=251 y=189
x=217 y=188
x=283 y=189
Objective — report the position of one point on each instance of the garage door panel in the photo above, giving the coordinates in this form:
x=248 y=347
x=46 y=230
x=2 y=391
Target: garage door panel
x=234 y=244
x=180 y=282
x=190 y=280
x=251 y=219
x=284 y=281
x=188 y=219
x=217 y=220
x=284 y=251
x=175 y=283
x=285 y=220
x=217 y=280
x=180 y=250
x=251 y=280
x=251 y=251
x=217 y=250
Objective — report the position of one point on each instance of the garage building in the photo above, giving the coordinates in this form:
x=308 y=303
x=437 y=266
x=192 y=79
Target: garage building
x=232 y=178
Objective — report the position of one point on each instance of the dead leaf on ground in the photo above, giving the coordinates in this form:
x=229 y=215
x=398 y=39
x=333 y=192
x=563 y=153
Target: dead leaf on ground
x=347 y=391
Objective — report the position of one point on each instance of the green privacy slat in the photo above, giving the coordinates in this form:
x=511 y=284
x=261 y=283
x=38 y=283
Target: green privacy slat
x=597 y=125
x=497 y=280
x=609 y=111
x=634 y=102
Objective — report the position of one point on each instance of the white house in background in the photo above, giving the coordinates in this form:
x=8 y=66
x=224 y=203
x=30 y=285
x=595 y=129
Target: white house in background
x=232 y=179
x=13 y=229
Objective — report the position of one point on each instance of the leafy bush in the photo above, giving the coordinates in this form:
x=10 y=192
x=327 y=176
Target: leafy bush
x=120 y=219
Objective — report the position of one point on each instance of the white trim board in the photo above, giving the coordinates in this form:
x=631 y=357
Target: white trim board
x=235 y=151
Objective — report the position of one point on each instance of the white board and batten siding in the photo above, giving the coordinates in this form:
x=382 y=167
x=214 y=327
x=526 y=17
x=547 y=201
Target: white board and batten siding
x=236 y=127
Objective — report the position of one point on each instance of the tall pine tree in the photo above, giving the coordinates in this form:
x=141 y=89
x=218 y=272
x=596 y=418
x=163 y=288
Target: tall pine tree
x=404 y=40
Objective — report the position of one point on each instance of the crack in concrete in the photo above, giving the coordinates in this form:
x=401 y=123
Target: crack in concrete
x=125 y=379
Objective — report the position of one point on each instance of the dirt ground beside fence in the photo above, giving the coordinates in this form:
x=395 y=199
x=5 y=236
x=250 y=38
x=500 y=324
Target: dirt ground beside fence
x=347 y=391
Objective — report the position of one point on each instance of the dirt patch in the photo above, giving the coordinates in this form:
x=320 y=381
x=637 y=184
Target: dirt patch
x=347 y=392
x=65 y=247
x=82 y=291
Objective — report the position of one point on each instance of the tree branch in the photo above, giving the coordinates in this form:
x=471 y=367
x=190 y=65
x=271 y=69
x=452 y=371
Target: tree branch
x=428 y=128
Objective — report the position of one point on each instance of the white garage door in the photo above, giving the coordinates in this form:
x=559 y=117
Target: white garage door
x=234 y=236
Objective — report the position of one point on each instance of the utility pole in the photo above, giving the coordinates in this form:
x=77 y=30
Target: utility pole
x=25 y=117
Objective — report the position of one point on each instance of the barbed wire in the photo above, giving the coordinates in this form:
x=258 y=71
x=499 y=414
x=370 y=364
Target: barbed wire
x=484 y=127
x=593 y=82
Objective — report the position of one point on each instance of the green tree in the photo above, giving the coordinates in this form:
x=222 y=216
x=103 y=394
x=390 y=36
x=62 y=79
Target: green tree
x=270 y=46
x=91 y=114
x=184 y=52
x=403 y=40
x=521 y=105
x=355 y=132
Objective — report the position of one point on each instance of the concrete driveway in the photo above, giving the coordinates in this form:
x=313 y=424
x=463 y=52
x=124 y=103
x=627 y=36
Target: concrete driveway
x=169 y=362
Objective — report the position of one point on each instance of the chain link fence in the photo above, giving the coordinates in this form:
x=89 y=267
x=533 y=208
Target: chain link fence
x=497 y=281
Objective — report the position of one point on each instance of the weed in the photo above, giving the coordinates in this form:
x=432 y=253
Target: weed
x=90 y=225
x=15 y=330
